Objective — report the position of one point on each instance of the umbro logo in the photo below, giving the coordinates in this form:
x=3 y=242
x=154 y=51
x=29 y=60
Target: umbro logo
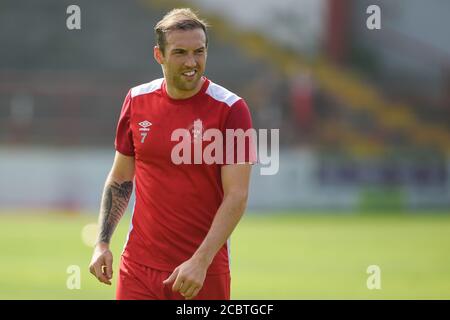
x=144 y=127
x=145 y=124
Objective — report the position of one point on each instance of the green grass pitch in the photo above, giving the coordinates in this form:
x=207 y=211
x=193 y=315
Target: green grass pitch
x=273 y=256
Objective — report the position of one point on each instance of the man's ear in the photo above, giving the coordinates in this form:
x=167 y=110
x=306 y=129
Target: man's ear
x=157 y=53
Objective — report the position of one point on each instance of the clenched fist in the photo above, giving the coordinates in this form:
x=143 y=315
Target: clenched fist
x=101 y=263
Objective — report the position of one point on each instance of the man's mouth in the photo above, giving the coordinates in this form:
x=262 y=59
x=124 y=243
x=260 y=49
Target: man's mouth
x=189 y=73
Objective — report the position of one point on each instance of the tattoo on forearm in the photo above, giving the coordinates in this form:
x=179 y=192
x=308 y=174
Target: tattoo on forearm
x=114 y=202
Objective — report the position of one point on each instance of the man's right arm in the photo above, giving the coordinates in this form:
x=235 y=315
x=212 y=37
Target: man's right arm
x=115 y=198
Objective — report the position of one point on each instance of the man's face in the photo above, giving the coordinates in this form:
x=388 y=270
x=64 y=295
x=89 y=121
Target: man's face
x=184 y=59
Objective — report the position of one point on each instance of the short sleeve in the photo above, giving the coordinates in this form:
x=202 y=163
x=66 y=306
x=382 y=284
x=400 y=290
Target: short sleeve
x=124 y=136
x=240 y=136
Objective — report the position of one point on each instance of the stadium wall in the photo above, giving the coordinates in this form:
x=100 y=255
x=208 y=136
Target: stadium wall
x=73 y=179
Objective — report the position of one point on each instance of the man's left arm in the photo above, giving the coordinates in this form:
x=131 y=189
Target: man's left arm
x=190 y=275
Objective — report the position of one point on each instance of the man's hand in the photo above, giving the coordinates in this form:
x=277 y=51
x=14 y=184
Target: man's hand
x=188 y=277
x=101 y=263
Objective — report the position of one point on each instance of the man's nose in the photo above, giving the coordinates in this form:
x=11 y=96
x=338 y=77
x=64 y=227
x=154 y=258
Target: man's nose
x=190 y=61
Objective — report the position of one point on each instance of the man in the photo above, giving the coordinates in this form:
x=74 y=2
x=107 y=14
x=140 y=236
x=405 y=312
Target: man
x=184 y=213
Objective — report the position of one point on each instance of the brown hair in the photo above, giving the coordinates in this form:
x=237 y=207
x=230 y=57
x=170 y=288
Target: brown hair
x=178 y=19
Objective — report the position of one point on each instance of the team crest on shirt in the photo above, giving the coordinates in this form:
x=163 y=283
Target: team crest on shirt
x=196 y=131
x=144 y=128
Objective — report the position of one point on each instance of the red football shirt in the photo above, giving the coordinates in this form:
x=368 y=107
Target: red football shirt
x=175 y=204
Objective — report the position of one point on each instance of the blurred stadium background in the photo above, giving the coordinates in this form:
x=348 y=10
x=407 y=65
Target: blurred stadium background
x=364 y=119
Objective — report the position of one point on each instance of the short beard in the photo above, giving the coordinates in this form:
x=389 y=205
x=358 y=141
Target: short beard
x=185 y=86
